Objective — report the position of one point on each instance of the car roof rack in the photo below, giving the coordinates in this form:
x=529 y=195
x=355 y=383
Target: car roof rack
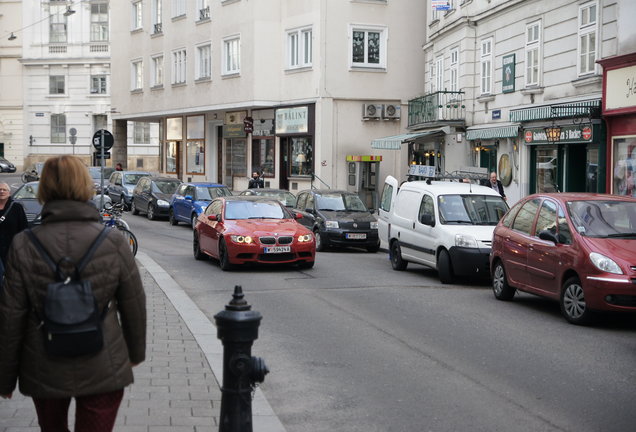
x=459 y=175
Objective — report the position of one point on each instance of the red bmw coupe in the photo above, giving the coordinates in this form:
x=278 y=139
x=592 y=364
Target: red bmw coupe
x=250 y=229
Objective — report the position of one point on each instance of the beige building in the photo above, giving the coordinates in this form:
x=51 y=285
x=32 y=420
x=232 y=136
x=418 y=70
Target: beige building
x=295 y=89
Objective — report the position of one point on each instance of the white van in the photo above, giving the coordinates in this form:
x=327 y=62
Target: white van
x=446 y=225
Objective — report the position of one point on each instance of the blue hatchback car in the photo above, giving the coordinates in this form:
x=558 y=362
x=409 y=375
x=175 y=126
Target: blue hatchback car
x=191 y=199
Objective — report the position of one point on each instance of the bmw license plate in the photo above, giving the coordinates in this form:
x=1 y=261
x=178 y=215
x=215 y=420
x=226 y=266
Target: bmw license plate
x=277 y=249
x=356 y=236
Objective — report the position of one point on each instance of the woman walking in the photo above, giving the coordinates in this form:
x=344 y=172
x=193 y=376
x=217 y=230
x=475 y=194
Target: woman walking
x=96 y=381
x=12 y=221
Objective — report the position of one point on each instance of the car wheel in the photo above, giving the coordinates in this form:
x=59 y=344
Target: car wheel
x=396 y=257
x=321 y=245
x=133 y=208
x=500 y=286
x=374 y=249
x=573 y=305
x=171 y=217
x=193 y=220
x=306 y=264
x=151 y=212
x=196 y=248
x=445 y=268
x=224 y=259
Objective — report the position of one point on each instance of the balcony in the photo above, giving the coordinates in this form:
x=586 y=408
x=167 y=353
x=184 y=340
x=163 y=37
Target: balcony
x=441 y=106
x=204 y=13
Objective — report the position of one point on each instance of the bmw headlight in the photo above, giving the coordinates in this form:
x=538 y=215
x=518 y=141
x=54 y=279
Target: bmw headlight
x=303 y=238
x=467 y=241
x=242 y=239
x=604 y=263
x=163 y=203
x=331 y=224
x=374 y=225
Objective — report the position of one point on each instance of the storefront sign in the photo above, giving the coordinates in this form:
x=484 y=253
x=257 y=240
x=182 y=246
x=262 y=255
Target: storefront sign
x=496 y=114
x=508 y=71
x=292 y=120
x=569 y=134
x=234 y=131
x=263 y=127
x=621 y=88
x=369 y=158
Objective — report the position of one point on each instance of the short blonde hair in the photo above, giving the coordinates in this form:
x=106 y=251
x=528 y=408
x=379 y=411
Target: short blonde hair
x=65 y=178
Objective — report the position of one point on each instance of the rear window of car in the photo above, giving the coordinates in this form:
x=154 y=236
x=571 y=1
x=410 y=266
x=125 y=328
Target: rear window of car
x=166 y=186
x=27 y=192
x=133 y=178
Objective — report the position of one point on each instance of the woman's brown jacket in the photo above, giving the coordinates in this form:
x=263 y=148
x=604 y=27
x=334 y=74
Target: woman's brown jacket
x=68 y=229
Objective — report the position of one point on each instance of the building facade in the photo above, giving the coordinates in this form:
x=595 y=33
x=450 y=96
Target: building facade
x=294 y=89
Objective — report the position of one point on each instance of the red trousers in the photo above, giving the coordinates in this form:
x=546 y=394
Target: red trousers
x=95 y=413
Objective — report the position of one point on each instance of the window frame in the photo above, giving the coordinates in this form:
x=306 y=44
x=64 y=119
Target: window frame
x=453 y=69
x=158 y=70
x=99 y=82
x=439 y=73
x=58 y=25
x=179 y=8
x=230 y=51
x=203 y=72
x=382 y=49
x=137 y=15
x=585 y=30
x=485 y=66
x=54 y=84
x=141 y=133
x=179 y=66
x=533 y=54
x=300 y=47
x=58 y=129
x=136 y=75
x=99 y=23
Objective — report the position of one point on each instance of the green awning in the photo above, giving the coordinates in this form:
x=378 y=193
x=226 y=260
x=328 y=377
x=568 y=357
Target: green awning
x=557 y=110
x=508 y=131
x=395 y=142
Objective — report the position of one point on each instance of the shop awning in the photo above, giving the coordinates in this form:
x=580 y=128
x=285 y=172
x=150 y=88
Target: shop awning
x=395 y=142
x=557 y=110
x=484 y=133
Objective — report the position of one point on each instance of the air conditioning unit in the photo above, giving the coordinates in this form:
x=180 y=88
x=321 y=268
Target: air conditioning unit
x=391 y=112
x=371 y=111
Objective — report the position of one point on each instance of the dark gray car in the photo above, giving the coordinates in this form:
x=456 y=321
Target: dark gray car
x=152 y=196
x=121 y=185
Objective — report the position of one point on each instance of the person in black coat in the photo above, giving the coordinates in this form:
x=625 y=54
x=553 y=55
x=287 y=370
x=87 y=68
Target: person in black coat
x=496 y=185
x=256 y=181
x=12 y=220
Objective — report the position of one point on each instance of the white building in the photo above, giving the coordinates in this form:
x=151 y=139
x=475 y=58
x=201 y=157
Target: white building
x=314 y=80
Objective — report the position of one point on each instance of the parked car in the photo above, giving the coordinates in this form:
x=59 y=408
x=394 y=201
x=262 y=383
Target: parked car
x=96 y=175
x=286 y=197
x=338 y=218
x=441 y=224
x=191 y=199
x=121 y=185
x=243 y=229
x=6 y=166
x=152 y=196
x=26 y=195
x=576 y=248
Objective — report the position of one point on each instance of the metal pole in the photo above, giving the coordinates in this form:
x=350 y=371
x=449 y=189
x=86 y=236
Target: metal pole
x=101 y=176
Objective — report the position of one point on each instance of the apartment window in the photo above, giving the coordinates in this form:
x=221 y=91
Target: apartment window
x=486 y=66
x=439 y=73
x=299 y=48
x=178 y=8
x=368 y=47
x=157 y=71
x=141 y=132
x=137 y=16
x=533 y=42
x=137 y=75
x=454 y=70
x=58 y=128
x=232 y=55
x=99 y=22
x=157 y=13
x=179 y=66
x=56 y=84
x=204 y=62
x=98 y=84
x=57 y=25
x=204 y=9
x=587 y=38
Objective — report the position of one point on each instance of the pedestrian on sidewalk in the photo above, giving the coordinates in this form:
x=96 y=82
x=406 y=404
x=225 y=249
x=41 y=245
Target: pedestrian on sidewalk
x=256 y=181
x=96 y=381
x=12 y=220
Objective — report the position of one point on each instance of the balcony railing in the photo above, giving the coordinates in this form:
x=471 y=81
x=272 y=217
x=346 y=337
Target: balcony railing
x=157 y=28
x=204 y=13
x=436 y=107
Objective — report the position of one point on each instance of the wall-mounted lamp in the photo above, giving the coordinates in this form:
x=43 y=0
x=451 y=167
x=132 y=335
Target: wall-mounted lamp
x=68 y=11
x=31 y=140
x=12 y=36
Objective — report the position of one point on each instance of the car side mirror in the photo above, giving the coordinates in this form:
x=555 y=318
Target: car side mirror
x=213 y=218
x=548 y=236
x=427 y=219
x=188 y=197
x=298 y=215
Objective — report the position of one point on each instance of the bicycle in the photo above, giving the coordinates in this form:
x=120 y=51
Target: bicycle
x=111 y=217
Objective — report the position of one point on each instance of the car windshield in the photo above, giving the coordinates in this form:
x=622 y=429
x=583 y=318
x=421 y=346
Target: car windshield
x=165 y=186
x=340 y=202
x=471 y=209
x=208 y=193
x=132 y=179
x=603 y=218
x=254 y=210
x=286 y=198
x=28 y=191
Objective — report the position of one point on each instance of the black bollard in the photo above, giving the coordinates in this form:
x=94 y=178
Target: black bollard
x=237 y=328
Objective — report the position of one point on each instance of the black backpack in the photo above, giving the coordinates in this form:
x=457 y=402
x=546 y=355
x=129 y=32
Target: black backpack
x=71 y=320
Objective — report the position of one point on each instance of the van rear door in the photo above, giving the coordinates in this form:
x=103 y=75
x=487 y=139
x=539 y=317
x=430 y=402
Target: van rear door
x=389 y=192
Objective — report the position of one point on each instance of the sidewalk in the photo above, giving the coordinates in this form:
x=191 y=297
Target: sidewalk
x=177 y=388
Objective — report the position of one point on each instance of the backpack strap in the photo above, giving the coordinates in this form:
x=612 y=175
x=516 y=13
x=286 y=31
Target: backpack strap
x=4 y=216
x=100 y=238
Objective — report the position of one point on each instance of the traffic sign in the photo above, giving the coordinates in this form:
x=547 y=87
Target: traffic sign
x=98 y=155
x=107 y=138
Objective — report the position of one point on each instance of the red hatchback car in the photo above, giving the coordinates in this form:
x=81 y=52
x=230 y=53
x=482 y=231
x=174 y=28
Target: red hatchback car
x=577 y=248
x=251 y=229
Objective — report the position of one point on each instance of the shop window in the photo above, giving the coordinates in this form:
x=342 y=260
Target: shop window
x=195 y=154
x=171 y=157
x=263 y=156
x=301 y=157
x=624 y=172
x=236 y=161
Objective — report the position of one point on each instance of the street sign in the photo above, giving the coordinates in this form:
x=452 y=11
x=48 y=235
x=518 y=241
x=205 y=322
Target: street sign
x=98 y=155
x=107 y=137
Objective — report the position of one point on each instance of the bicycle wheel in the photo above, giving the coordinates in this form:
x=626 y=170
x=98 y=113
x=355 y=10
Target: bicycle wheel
x=130 y=238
